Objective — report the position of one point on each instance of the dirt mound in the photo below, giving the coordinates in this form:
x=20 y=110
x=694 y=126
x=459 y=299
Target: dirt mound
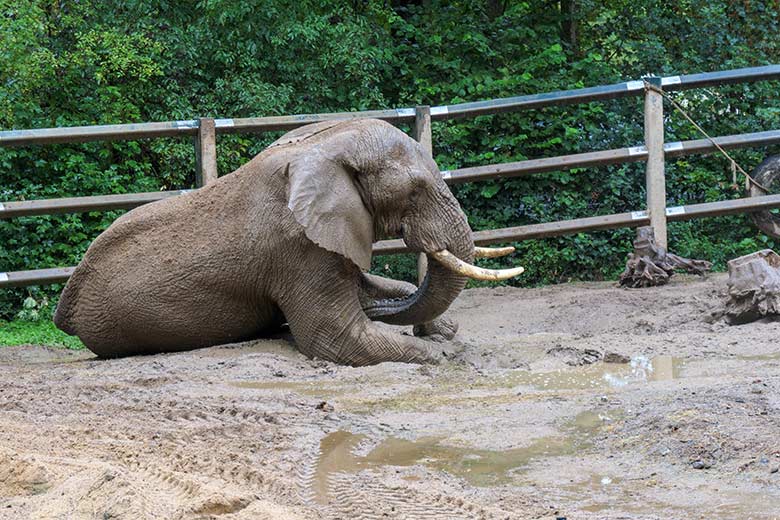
x=525 y=419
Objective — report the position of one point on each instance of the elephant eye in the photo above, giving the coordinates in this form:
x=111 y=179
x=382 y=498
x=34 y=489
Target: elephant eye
x=415 y=194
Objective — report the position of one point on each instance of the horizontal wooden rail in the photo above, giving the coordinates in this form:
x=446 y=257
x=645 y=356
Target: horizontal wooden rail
x=400 y=115
x=494 y=236
x=604 y=157
x=35 y=277
x=723 y=77
x=477 y=173
x=585 y=95
x=80 y=134
x=25 y=208
x=271 y=124
x=618 y=220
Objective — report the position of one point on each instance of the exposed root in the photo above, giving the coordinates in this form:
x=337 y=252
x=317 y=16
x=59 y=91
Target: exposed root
x=650 y=264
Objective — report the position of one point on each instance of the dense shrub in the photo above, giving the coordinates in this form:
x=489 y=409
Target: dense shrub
x=91 y=62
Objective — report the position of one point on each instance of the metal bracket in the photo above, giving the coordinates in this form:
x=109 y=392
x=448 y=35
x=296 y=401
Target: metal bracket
x=676 y=210
x=637 y=215
x=2 y=207
x=671 y=80
x=446 y=174
x=404 y=112
x=637 y=150
x=673 y=146
x=219 y=123
x=635 y=85
x=3 y=277
x=440 y=110
x=192 y=123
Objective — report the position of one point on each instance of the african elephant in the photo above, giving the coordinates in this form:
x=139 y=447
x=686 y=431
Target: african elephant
x=285 y=238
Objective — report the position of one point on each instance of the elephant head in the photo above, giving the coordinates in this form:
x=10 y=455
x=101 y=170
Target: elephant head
x=350 y=183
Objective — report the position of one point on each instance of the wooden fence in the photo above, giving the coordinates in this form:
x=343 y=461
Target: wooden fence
x=653 y=152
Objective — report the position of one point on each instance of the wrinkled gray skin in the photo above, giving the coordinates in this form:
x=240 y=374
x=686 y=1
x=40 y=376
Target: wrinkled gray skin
x=285 y=238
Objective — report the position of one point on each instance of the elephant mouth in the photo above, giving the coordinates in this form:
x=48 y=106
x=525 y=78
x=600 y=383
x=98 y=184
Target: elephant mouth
x=416 y=308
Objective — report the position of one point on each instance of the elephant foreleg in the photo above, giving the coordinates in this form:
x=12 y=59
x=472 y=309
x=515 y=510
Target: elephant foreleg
x=373 y=288
x=328 y=322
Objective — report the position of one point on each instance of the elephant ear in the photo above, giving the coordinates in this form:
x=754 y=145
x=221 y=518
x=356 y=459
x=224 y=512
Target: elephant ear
x=324 y=198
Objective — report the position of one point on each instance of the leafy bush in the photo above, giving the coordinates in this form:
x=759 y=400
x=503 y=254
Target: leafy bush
x=93 y=62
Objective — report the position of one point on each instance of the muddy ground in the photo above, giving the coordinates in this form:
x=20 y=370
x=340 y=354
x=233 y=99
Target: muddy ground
x=524 y=420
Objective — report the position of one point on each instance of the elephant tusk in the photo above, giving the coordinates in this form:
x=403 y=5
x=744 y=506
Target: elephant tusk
x=453 y=263
x=492 y=252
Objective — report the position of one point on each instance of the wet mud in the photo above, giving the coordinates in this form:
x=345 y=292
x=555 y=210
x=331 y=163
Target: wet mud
x=577 y=401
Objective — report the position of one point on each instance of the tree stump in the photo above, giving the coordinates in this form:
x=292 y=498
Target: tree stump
x=765 y=174
x=650 y=264
x=753 y=287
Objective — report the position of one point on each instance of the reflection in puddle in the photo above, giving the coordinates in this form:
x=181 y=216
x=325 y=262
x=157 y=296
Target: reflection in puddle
x=601 y=375
x=479 y=467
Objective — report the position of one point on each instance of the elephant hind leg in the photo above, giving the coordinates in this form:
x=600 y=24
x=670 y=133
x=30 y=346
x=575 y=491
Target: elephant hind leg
x=328 y=322
x=373 y=288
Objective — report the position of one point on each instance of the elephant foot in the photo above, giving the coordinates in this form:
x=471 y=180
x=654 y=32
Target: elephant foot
x=439 y=330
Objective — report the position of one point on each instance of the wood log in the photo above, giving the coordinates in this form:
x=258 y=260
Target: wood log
x=650 y=264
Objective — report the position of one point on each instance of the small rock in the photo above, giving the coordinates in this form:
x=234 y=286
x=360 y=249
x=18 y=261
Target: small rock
x=756 y=390
x=700 y=464
x=279 y=373
x=614 y=357
x=325 y=406
x=774 y=469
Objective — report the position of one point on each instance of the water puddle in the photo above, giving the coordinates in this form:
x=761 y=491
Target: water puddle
x=760 y=357
x=340 y=453
x=600 y=375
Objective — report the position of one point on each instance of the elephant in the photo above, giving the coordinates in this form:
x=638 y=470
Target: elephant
x=286 y=238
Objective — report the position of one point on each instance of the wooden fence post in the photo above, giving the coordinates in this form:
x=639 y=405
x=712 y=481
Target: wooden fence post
x=655 y=177
x=422 y=134
x=205 y=152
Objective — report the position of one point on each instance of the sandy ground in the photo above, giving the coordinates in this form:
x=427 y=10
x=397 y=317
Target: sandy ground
x=524 y=420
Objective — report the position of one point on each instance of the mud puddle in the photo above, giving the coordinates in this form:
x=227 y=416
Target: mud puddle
x=346 y=452
x=599 y=375
x=688 y=429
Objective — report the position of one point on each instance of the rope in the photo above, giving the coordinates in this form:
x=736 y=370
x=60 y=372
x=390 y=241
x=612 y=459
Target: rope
x=734 y=165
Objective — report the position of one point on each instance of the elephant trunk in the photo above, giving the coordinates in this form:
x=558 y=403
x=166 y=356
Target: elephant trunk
x=437 y=291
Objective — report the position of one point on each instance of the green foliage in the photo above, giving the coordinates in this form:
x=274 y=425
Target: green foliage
x=42 y=332
x=94 y=62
